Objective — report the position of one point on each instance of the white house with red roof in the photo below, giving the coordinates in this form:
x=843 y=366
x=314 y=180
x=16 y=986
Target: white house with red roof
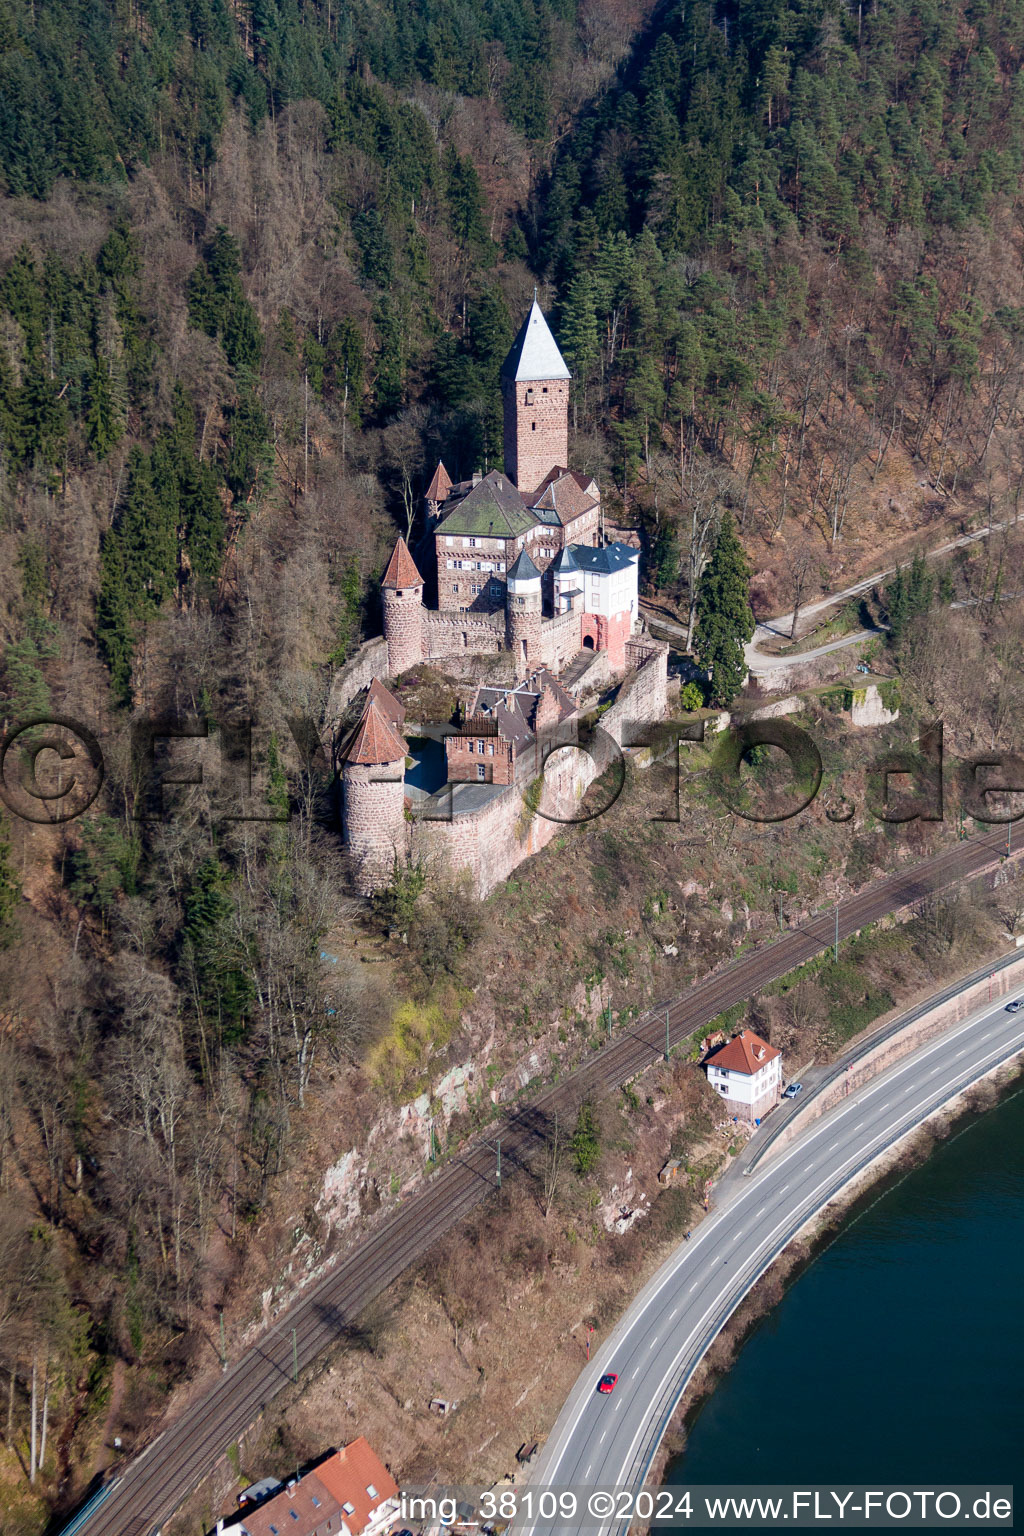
x=747 y=1074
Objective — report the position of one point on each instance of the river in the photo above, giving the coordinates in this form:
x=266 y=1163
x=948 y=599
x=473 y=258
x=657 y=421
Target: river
x=898 y=1354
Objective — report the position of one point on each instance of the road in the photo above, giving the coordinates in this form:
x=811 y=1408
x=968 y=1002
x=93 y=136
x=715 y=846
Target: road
x=153 y=1486
x=610 y=1441
x=757 y=660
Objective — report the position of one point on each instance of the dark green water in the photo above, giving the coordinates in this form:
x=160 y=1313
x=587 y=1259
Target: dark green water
x=898 y=1354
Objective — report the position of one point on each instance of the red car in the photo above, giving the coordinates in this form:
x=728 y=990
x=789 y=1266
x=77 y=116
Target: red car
x=607 y=1383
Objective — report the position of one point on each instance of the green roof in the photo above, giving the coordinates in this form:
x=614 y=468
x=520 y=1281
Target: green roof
x=493 y=509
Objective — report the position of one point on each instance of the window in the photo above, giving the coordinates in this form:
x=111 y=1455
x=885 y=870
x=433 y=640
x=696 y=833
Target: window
x=349 y=1509
x=529 y=396
x=481 y=771
x=316 y=1501
x=490 y=749
x=533 y=426
x=273 y=1530
x=294 y=1514
x=371 y=1490
x=545 y=389
x=480 y=748
x=472 y=543
x=472 y=746
x=455 y=586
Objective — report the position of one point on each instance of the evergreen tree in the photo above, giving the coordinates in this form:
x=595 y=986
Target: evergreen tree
x=725 y=622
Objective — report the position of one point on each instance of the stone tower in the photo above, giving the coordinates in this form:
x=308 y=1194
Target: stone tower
x=402 y=594
x=523 y=615
x=535 y=400
x=374 y=827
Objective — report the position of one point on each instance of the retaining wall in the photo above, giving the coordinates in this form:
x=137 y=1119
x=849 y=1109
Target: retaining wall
x=935 y=1022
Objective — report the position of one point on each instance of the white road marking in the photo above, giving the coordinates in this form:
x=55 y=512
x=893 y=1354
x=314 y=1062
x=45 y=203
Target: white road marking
x=634 y=1376
x=833 y=1146
x=959 y=1054
x=673 y=1313
x=694 y=1286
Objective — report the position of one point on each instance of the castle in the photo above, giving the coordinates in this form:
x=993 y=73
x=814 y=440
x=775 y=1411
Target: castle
x=522 y=571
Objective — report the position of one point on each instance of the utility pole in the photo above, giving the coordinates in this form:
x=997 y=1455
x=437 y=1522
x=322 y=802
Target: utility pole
x=295 y=1357
x=667 y=1051
x=433 y=1149
x=608 y=1019
x=223 y=1351
x=495 y=1146
x=837 y=935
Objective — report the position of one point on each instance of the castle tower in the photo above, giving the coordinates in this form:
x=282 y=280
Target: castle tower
x=373 y=822
x=535 y=400
x=567 y=582
x=437 y=493
x=523 y=615
x=402 y=594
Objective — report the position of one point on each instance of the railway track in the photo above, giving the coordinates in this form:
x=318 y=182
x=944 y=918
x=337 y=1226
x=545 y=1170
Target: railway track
x=153 y=1486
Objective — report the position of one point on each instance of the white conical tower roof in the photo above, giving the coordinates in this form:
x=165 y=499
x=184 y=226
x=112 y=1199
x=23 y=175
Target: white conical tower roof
x=534 y=354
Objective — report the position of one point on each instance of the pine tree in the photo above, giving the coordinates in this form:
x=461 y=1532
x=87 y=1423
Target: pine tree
x=725 y=621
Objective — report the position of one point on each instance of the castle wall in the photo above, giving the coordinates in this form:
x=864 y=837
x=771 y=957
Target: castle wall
x=447 y=634
x=643 y=698
x=559 y=640
x=369 y=662
x=492 y=843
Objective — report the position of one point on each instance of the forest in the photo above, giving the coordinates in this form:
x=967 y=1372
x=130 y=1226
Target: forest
x=260 y=261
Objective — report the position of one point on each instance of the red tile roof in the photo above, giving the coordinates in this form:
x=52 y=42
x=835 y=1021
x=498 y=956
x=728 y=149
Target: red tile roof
x=375 y=739
x=303 y=1508
x=440 y=485
x=746 y=1053
x=390 y=708
x=350 y=1475
x=401 y=571
x=331 y=1497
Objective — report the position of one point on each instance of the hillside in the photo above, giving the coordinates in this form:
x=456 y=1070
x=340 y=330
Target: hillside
x=259 y=264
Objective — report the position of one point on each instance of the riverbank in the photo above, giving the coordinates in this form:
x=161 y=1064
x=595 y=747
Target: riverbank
x=862 y=1193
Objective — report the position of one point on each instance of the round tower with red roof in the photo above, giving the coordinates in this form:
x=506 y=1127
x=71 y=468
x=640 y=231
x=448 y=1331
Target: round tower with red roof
x=374 y=827
x=404 y=614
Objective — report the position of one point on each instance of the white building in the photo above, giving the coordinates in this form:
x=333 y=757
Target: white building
x=747 y=1073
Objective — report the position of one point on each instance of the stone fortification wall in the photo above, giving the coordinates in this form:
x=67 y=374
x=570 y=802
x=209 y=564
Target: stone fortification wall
x=491 y=843
x=446 y=634
x=370 y=661
x=643 y=698
x=560 y=640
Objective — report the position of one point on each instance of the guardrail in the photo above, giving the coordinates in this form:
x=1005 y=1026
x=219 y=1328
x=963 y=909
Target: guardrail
x=670 y=1399
x=879 y=1037
x=88 y=1509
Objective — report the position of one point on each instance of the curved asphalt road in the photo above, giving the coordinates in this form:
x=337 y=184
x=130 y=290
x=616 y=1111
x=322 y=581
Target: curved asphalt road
x=609 y=1442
